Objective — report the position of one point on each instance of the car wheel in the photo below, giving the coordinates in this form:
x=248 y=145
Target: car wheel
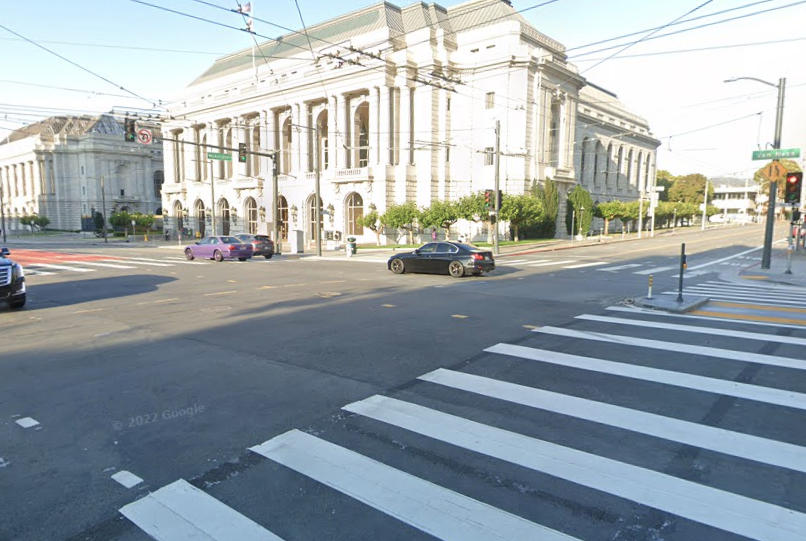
x=241 y=259
x=456 y=269
x=189 y=255
x=218 y=256
x=397 y=266
x=16 y=304
x=268 y=256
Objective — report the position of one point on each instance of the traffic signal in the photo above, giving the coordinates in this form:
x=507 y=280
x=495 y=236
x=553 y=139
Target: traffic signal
x=794 y=183
x=488 y=197
x=242 y=152
x=500 y=199
x=131 y=130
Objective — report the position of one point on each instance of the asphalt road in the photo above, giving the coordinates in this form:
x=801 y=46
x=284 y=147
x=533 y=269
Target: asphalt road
x=172 y=370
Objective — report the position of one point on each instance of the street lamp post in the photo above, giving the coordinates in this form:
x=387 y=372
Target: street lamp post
x=779 y=119
x=581 y=210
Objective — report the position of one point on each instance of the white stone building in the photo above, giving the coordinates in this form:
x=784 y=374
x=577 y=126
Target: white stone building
x=615 y=152
x=55 y=167
x=402 y=105
x=738 y=200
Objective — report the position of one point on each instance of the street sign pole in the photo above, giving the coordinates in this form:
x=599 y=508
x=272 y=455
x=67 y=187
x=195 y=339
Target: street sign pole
x=766 y=254
x=497 y=182
x=212 y=195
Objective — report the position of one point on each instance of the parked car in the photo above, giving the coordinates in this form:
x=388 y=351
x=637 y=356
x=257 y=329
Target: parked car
x=219 y=248
x=12 y=281
x=452 y=258
x=261 y=244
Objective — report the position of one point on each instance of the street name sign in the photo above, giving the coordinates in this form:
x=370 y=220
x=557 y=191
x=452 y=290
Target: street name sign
x=219 y=156
x=774 y=171
x=776 y=154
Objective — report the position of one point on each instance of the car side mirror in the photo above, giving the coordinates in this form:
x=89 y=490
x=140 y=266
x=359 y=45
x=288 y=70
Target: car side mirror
x=416 y=252
x=196 y=242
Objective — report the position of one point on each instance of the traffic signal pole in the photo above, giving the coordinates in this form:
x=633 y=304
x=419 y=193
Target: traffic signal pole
x=766 y=254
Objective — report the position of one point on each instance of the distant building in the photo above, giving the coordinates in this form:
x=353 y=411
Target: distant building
x=55 y=167
x=738 y=200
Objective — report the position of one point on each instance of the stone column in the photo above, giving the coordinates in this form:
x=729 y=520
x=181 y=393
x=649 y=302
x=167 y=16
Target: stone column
x=385 y=127
x=405 y=125
x=374 y=136
x=344 y=125
x=331 y=131
x=306 y=135
x=296 y=132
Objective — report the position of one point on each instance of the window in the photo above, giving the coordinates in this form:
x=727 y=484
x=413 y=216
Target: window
x=489 y=100
x=251 y=216
x=355 y=214
x=448 y=103
x=159 y=179
x=488 y=156
x=122 y=193
x=448 y=154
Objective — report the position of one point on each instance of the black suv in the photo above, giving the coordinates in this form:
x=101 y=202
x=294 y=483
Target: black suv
x=261 y=244
x=12 y=281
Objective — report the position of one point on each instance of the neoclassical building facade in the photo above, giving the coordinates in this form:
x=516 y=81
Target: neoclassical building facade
x=67 y=167
x=615 y=150
x=386 y=105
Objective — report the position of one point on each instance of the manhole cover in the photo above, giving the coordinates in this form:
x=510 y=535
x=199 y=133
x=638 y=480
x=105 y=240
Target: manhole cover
x=215 y=309
x=328 y=294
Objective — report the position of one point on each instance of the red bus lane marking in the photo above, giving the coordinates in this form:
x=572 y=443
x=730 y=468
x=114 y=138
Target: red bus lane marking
x=32 y=257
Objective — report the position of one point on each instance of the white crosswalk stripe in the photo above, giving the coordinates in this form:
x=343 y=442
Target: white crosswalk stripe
x=583 y=265
x=399 y=481
x=621 y=267
x=58 y=267
x=654 y=270
x=550 y=263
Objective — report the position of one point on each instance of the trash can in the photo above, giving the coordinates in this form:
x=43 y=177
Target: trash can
x=350 y=249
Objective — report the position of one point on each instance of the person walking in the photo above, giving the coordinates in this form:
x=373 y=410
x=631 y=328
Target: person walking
x=433 y=233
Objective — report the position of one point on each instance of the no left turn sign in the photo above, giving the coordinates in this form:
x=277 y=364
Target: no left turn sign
x=144 y=136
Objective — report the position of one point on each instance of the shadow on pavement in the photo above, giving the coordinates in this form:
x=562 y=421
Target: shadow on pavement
x=80 y=291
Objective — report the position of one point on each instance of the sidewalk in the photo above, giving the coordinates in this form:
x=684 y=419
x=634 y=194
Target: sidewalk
x=778 y=266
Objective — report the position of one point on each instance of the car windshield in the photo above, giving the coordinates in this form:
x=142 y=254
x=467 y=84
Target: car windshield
x=262 y=238
x=231 y=240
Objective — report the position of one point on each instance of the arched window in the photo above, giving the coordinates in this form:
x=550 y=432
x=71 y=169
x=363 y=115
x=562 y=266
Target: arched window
x=204 y=154
x=285 y=151
x=250 y=212
x=620 y=167
x=598 y=150
x=639 y=171
x=179 y=216
x=607 y=166
x=321 y=124
x=282 y=216
x=201 y=218
x=223 y=209
x=255 y=148
x=354 y=209
x=159 y=179
x=582 y=160
x=121 y=181
x=312 y=217
x=228 y=144
x=630 y=169
x=554 y=133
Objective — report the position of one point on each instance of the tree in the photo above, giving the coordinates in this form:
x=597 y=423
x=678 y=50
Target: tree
x=578 y=199
x=764 y=184
x=664 y=179
x=41 y=222
x=143 y=221
x=440 y=214
x=631 y=213
x=372 y=221
x=120 y=219
x=521 y=210
x=609 y=211
x=98 y=218
x=34 y=221
x=690 y=189
x=549 y=199
x=401 y=217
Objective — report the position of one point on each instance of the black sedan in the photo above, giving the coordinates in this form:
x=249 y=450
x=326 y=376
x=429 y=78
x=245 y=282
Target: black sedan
x=261 y=244
x=452 y=258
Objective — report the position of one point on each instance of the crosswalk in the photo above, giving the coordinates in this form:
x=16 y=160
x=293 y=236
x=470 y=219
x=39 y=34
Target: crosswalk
x=574 y=433
x=77 y=265
x=748 y=293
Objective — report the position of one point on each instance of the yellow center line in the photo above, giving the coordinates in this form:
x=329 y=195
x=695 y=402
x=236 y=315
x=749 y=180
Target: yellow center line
x=459 y=316
x=747 y=317
x=756 y=277
x=759 y=307
x=219 y=293
x=159 y=301
x=268 y=287
x=293 y=285
x=530 y=326
x=388 y=305
x=334 y=282
x=232 y=281
x=88 y=310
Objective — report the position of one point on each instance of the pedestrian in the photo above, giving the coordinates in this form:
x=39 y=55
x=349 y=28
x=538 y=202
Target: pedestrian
x=433 y=233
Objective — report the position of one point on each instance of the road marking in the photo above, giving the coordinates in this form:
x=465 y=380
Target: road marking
x=727 y=354
x=775 y=453
x=717 y=508
x=232 y=281
x=154 y=264
x=759 y=287
x=505 y=262
x=88 y=310
x=293 y=285
x=388 y=305
x=459 y=316
x=110 y=265
x=127 y=479
x=770 y=319
x=698 y=330
x=740 y=254
x=61 y=267
x=677 y=379
x=163 y=261
x=691 y=274
x=32 y=272
x=583 y=265
x=547 y=263
x=764 y=307
x=622 y=267
x=763 y=289
x=334 y=282
x=268 y=287
x=27 y=422
x=755 y=277
x=655 y=270
x=729 y=296
x=530 y=326
x=430 y=508
x=181 y=512
x=219 y=293
x=689 y=316
x=158 y=301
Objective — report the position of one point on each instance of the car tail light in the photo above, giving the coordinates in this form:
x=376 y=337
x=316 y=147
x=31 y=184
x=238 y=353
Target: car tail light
x=234 y=247
x=477 y=257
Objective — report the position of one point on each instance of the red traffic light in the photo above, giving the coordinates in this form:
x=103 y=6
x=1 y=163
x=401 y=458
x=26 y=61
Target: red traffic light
x=792 y=179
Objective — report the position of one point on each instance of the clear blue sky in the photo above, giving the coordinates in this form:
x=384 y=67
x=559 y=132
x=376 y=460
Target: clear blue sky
x=154 y=54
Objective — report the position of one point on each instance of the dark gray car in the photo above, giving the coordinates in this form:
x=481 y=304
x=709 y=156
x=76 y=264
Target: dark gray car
x=261 y=244
x=12 y=281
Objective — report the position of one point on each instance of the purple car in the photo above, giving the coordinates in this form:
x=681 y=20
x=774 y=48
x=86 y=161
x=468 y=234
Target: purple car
x=219 y=248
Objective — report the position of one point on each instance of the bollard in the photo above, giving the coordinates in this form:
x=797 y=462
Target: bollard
x=789 y=250
x=649 y=295
x=682 y=268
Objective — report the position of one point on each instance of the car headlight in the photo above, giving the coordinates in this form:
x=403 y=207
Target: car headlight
x=17 y=272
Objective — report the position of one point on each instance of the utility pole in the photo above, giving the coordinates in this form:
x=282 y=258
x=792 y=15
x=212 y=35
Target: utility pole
x=318 y=201
x=497 y=182
x=705 y=205
x=275 y=196
x=103 y=208
x=641 y=211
